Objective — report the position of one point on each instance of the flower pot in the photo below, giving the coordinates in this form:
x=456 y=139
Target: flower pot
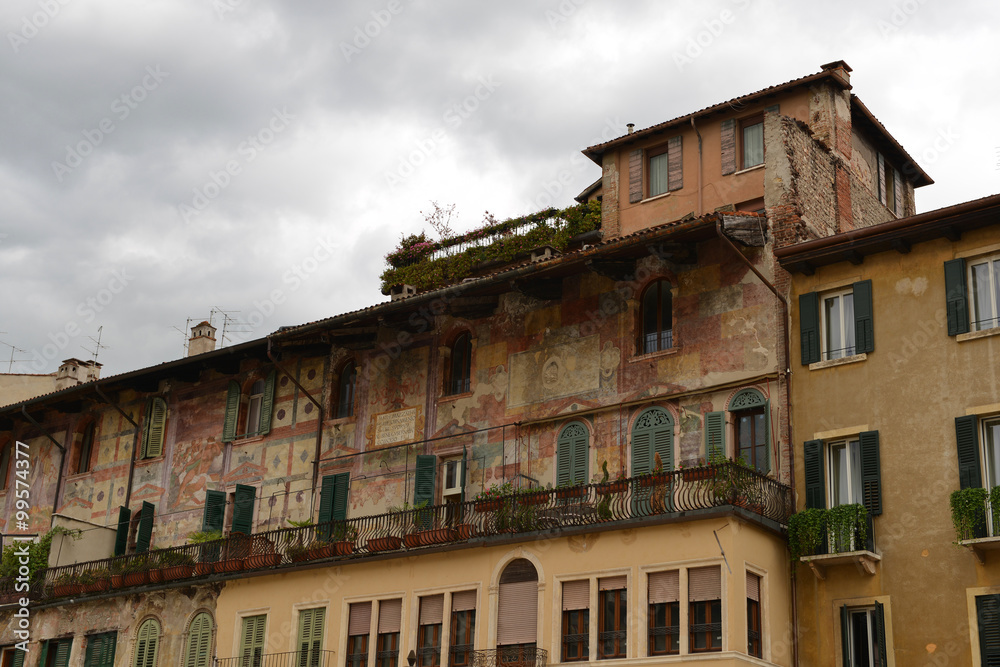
x=413 y=540
x=571 y=492
x=538 y=498
x=201 y=569
x=156 y=576
x=98 y=586
x=261 y=560
x=608 y=488
x=136 y=578
x=177 y=572
x=117 y=580
x=343 y=548
x=228 y=565
x=319 y=551
x=464 y=531
x=491 y=505
x=653 y=480
x=300 y=556
x=696 y=474
x=389 y=543
x=60 y=590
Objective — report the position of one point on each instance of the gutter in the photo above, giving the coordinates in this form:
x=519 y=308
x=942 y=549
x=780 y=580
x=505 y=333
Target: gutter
x=62 y=461
x=135 y=442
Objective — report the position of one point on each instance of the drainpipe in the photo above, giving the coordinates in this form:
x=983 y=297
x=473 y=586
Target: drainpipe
x=319 y=424
x=135 y=441
x=788 y=388
x=701 y=205
x=62 y=461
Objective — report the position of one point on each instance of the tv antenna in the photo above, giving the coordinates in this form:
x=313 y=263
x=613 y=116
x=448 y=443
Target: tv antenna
x=97 y=343
x=185 y=334
x=13 y=350
x=230 y=324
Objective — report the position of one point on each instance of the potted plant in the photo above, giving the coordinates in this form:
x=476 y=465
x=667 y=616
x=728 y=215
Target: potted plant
x=806 y=530
x=344 y=536
x=388 y=538
x=697 y=471
x=66 y=583
x=968 y=512
x=492 y=499
x=209 y=548
x=235 y=549
x=136 y=571
x=847 y=527
x=571 y=490
x=533 y=496
x=175 y=564
x=656 y=476
x=96 y=580
x=262 y=553
x=604 y=486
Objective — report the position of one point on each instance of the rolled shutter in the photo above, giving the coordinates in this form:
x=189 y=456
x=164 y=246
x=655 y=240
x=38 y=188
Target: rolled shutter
x=845 y=635
x=815 y=485
x=612 y=583
x=715 y=434
x=881 y=178
x=988 y=615
x=215 y=511
x=431 y=609
x=871 y=475
x=864 y=327
x=360 y=620
x=576 y=595
x=145 y=533
x=243 y=509
x=967 y=437
x=121 y=534
x=675 y=164
x=809 y=327
x=267 y=404
x=704 y=583
x=517 y=617
x=232 y=412
x=956 y=295
x=463 y=601
x=879 y=631
x=199 y=642
x=897 y=188
x=753 y=587
x=664 y=587
x=389 y=614
x=728 y=131
x=156 y=416
x=635 y=176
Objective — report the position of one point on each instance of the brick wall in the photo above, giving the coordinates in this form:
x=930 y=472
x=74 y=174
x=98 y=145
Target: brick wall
x=609 y=204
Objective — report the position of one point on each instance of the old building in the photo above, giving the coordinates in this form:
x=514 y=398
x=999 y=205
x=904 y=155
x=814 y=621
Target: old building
x=565 y=438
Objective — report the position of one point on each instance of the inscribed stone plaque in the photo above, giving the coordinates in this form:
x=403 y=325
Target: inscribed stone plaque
x=394 y=427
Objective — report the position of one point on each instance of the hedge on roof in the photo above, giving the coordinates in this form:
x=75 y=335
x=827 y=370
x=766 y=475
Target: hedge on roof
x=408 y=264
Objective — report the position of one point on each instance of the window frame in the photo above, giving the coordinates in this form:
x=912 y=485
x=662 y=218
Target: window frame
x=752 y=413
x=467 y=646
x=993 y=280
x=462 y=384
x=188 y=637
x=254 y=397
x=670 y=630
x=86 y=449
x=345 y=409
x=742 y=126
x=580 y=640
x=856 y=496
x=755 y=619
x=708 y=633
x=846 y=328
x=429 y=646
x=620 y=634
x=872 y=613
x=663 y=337
x=387 y=657
x=158 y=628
x=659 y=151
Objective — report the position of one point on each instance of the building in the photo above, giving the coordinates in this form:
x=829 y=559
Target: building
x=565 y=438
x=16 y=387
x=897 y=406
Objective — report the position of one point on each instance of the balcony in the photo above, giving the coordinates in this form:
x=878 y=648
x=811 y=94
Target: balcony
x=510 y=656
x=838 y=542
x=527 y=513
x=290 y=659
x=975 y=512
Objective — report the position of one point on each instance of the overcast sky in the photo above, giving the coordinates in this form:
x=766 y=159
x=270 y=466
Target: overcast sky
x=159 y=159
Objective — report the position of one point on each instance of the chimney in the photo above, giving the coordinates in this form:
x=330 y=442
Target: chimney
x=631 y=127
x=202 y=339
x=73 y=372
x=840 y=68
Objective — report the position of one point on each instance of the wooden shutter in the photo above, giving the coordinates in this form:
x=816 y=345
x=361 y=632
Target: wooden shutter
x=704 y=583
x=897 y=187
x=612 y=583
x=571 y=455
x=988 y=615
x=815 y=485
x=360 y=620
x=390 y=613
x=199 y=641
x=463 y=601
x=635 y=176
x=641 y=456
x=465 y=467
x=728 y=131
x=809 y=327
x=663 y=444
x=232 y=412
x=879 y=631
x=100 y=650
x=44 y=652
x=967 y=437
x=675 y=164
x=715 y=434
x=423 y=484
x=145 y=533
x=147 y=644
x=576 y=595
x=311 y=622
x=215 y=511
x=252 y=641
x=19 y=659
x=864 y=327
x=62 y=649
x=243 y=509
x=156 y=416
x=333 y=501
x=871 y=476
x=267 y=404
x=517 y=616
x=881 y=178
x=753 y=587
x=121 y=535
x=845 y=635
x=431 y=609
x=766 y=467
x=956 y=295
x=664 y=587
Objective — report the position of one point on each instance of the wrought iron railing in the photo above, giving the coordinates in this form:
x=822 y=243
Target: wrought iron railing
x=289 y=659
x=510 y=656
x=645 y=498
x=859 y=538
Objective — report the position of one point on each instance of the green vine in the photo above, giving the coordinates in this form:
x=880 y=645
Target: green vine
x=805 y=532
x=968 y=511
x=38 y=554
x=848 y=527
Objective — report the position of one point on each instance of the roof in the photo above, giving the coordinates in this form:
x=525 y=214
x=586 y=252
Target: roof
x=589 y=190
x=887 y=144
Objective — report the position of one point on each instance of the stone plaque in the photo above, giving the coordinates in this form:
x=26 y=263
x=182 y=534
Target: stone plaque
x=395 y=427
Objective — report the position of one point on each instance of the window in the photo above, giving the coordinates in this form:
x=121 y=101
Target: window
x=310 y=641
x=752 y=141
x=754 y=626
x=252 y=640
x=657 y=171
x=198 y=650
x=863 y=636
x=86 y=449
x=517 y=615
x=576 y=620
x=346 y=383
x=152 y=432
x=845 y=472
x=890 y=186
x=333 y=505
x=387 y=648
x=984 y=278
x=979 y=460
x=656 y=316
x=251 y=411
x=572 y=451
x=652 y=437
x=837 y=324
x=613 y=601
x=55 y=652
x=751 y=423
x=664 y=613
x=463 y=628
x=988 y=619
x=100 y=650
x=147 y=644
x=705 y=609
x=253 y=408
x=358 y=629
x=429 y=631
x=459 y=377
x=666 y=168
x=12 y=657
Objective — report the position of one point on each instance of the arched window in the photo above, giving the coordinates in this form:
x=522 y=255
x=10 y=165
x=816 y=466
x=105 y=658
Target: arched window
x=346 y=383
x=459 y=379
x=656 y=318
x=572 y=451
x=652 y=435
x=147 y=644
x=86 y=448
x=252 y=409
x=198 y=651
x=517 y=612
x=752 y=428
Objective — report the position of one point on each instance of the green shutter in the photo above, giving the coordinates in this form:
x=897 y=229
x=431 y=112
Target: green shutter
x=988 y=616
x=44 y=652
x=243 y=509
x=956 y=296
x=252 y=641
x=864 y=318
x=215 y=511
x=199 y=641
x=333 y=501
x=564 y=464
x=100 y=650
x=766 y=468
x=663 y=444
x=19 y=658
x=967 y=437
x=581 y=453
x=145 y=532
x=423 y=487
x=641 y=458
x=311 y=623
x=152 y=437
x=715 y=434
x=571 y=455
x=232 y=412
x=340 y=496
x=465 y=467
x=147 y=644
x=879 y=631
x=121 y=535
x=63 y=647
x=871 y=476
x=267 y=405
x=845 y=635
x=809 y=327
x=815 y=487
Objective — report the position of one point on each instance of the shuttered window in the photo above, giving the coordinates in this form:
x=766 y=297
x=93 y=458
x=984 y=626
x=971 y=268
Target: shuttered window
x=18 y=660
x=652 y=435
x=100 y=650
x=310 y=639
x=147 y=644
x=152 y=435
x=754 y=643
x=430 y=622
x=424 y=485
x=55 y=652
x=862 y=634
x=576 y=595
x=243 y=505
x=389 y=617
x=259 y=405
x=705 y=609
x=956 y=297
x=572 y=452
x=232 y=412
x=814 y=475
x=215 y=511
x=635 y=176
x=656 y=319
x=517 y=615
x=333 y=505
x=988 y=617
x=809 y=328
x=358 y=630
x=664 y=613
x=198 y=649
x=463 y=601
x=664 y=587
x=252 y=640
x=121 y=534
x=144 y=535
x=715 y=435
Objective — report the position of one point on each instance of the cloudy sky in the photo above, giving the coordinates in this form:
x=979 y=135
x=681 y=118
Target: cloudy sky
x=161 y=158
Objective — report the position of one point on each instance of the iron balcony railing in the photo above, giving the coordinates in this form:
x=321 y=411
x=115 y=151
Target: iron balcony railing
x=646 y=498
x=290 y=659
x=510 y=656
x=852 y=539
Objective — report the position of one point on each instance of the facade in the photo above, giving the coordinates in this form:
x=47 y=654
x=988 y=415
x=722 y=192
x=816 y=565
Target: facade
x=16 y=387
x=896 y=409
x=573 y=453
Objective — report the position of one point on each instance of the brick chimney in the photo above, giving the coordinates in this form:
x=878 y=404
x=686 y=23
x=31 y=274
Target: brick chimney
x=202 y=339
x=73 y=372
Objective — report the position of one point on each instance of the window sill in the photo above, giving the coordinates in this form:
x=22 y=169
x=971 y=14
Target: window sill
x=139 y=462
x=853 y=359
x=655 y=197
x=749 y=169
x=982 y=333
x=464 y=394
x=245 y=439
x=980 y=546
x=864 y=560
x=654 y=355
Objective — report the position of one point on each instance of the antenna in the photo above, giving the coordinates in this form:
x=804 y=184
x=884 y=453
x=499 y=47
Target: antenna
x=185 y=334
x=97 y=343
x=13 y=349
x=230 y=324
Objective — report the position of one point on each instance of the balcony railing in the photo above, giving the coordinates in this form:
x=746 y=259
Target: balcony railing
x=510 y=656
x=647 y=498
x=290 y=659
